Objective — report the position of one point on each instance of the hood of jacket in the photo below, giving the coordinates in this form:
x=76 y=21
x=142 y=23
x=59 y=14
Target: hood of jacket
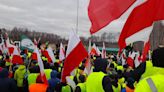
x=54 y=74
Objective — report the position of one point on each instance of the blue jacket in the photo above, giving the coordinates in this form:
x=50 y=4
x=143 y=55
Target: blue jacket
x=53 y=81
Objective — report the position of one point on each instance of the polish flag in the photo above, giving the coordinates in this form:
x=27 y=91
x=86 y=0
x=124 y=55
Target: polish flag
x=61 y=53
x=16 y=58
x=145 y=51
x=87 y=69
x=40 y=63
x=138 y=26
x=98 y=51
x=95 y=50
x=46 y=54
x=13 y=51
x=103 y=51
x=74 y=55
x=103 y=12
x=51 y=54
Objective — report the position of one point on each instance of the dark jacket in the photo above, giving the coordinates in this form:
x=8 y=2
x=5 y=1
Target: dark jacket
x=7 y=84
x=53 y=81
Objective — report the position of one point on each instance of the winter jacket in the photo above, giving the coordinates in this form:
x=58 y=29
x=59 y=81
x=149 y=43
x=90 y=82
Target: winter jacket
x=19 y=75
x=53 y=81
x=7 y=84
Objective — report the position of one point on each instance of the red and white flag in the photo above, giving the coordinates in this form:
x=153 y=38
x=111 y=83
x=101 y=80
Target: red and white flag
x=95 y=50
x=13 y=51
x=16 y=58
x=74 y=55
x=137 y=27
x=40 y=63
x=46 y=54
x=51 y=54
x=61 y=53
x=103 y=51
x=87 y=69
x=145 y=51
x=103 y=12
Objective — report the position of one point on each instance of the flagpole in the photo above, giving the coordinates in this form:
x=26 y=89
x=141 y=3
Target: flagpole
x=77 y=17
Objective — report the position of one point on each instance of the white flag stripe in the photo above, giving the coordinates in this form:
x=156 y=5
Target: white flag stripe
x=72 y=44
x=61 y=53
x=51 y=54
x=142 y=35
x=39 y=61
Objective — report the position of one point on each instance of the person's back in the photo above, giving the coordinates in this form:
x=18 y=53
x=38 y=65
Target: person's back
x=98 y=81
x=53 y=81
x=38 y=87
x=6 y=84
x=151 y=84
x=19 y=75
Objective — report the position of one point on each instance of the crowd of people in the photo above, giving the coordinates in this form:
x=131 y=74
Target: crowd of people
x=106 y=75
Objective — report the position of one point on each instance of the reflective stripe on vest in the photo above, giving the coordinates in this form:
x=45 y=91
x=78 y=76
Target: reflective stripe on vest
x=151 y=85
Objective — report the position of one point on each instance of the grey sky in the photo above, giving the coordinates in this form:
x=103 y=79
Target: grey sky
x=53 y=16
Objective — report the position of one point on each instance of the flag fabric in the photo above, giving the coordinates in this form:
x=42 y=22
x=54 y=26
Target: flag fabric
x=16 y=58
x=130 y=59
x=34 y=56
x=137 y=60
x=47 y=55
x=87 y=69
x=103 y=12
x=26 y=43
x=51 y=54
x=103 y=51
x=40 y=63
x=13 y=51
x=141 y=18
x=61 y=53
x=74 y=55
x=98 y=52
x=145 y=51
x=95 y=50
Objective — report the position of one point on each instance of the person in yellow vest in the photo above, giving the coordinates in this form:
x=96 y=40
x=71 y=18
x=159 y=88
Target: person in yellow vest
x=98 y=81
x=48 y=73
x=66 y=88
x=149 y=68
x=32 y=78
x=151 y=84
x=81 y=87
x=114 y=81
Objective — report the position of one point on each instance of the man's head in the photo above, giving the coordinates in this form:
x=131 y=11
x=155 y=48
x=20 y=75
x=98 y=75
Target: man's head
x=158 y=57
x=100 y=65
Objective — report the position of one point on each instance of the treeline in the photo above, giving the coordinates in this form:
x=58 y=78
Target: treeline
x=16 y=33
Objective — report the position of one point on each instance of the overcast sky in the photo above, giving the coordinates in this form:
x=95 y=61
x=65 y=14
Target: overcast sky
x=53 y=16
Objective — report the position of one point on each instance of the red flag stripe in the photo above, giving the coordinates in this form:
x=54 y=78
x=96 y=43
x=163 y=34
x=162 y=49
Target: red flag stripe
x=73 y=60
